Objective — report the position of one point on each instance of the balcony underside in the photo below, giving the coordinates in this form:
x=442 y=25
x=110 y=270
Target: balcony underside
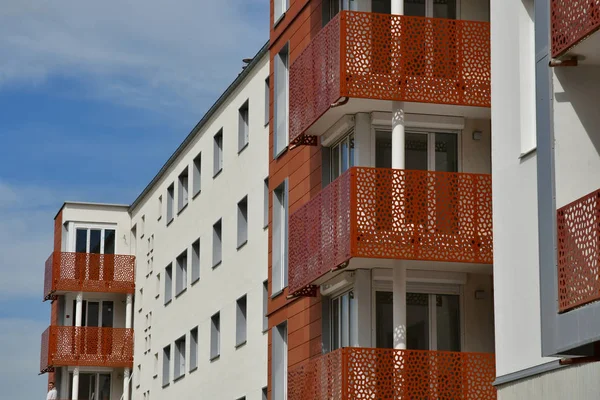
x=575 y=25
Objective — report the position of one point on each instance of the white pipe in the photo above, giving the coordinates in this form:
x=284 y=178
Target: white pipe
x=126 y=380
x=398 y=135
x=398 y=7
x=399 y=307
x=78 y=309
x=75 y=386
x=129 y=311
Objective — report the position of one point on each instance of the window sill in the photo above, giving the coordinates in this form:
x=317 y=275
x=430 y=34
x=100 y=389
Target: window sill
x=277 y=293
x=242 y=244
x=181 y=292
x=215 y=265
x=159 y=218
x=243 y=148
x=171 y=220
x=195 y=281
x=182 y=208
x=196 y=194
x=215 y=358
x=266 y=124
x=266 y=226
x=141 y=236
x=165 y=385
x=237 y=346
x=168 y=302
x=156 y=296
x=193 y=369
x=217 y=173
x=180 y=377
x=155 y=376
x=527 y=153
x=278 y=20
x=281 y=152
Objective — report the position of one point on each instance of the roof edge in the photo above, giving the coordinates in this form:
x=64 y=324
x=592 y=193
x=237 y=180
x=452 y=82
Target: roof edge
x=86 y=203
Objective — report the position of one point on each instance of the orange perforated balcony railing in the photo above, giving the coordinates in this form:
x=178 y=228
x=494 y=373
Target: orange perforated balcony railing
x=578 y=225
x=88 y=272
x=394 y=214
x=86 y=346
x=390 y=57
x=362 y=373
x=572 y=21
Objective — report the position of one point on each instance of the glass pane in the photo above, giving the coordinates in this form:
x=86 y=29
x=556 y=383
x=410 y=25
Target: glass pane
x=87 y=385
x=335 y=162
x=384 y=324
x=335 y=324
x=416 y=8
x=352 y=150
x=444 y=9
x=344 y=151
x=81 y=241
x=95 y=241
x=416 y=151
x=93 y=314
x=383 y=149
x=345 y=323
x=448 y=322
x=104 y=387
x=381 y=6
x=107 y=314
x=109 y=241
x=446 y=152
x=417 y=321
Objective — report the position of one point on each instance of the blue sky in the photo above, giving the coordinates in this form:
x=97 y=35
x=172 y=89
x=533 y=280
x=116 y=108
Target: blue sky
x=94 y=97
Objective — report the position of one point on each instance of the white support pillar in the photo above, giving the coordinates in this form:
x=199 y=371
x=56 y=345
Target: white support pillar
x=399 y=307
x=78 y=309
x=398 y=135
x=75 y=385
x=129 y=311
x=126 y=380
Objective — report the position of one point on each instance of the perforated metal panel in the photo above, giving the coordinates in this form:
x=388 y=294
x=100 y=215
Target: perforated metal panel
x=110 y=273
x=572 y=21
x=363 y=373
x=390 y=57
x=393 y=214
x=578 y=225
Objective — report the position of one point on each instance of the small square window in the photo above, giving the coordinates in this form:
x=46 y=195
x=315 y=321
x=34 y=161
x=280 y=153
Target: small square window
x=217 y=243
x=215 y=336
x=182 y=195
x=197 y=175
x=243 y=126
x=218 y=153
x=242 y=222
x=241 y=321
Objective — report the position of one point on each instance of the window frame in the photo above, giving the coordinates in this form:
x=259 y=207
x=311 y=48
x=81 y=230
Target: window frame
x=166 y=370
x=217 y=254
x=244 y=126
x=242 y=222
x=193 y=359
x=181 y=272
x=241 y=321
x=197 y=175
x=218 y=153
x=279 y=238
x=215 y=336
x=168 y=284
x=281 y=128
x=279 y=348
x=195 y=261
x=170 y=203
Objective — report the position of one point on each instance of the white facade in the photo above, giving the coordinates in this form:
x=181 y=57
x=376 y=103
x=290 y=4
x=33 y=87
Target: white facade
x=238 y=370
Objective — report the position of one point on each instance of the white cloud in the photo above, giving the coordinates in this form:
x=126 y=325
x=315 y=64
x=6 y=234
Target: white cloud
x=149 y=53
x=20 y=355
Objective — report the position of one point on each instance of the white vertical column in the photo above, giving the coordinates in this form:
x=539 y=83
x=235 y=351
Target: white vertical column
x=78 y=309
x=128 y=325
x=75 y=384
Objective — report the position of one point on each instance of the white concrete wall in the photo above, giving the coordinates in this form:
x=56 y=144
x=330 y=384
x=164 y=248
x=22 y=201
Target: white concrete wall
x=516 y=270
x=238 y=372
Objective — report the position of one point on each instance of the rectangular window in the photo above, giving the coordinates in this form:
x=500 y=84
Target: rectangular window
x=265 y=319
x=182 y=194
x=243 y=126
x=342 y=156
x=266 y=204
x=265 y=393
x=166 y=365
x=279 y=362
x=159 y=207
x=155 y=365
x=280 y=237
x=140 y=299
x=242 y=222
x=279 y=8
x=179 y=369
x=217 y=243
x=142 y=228
x=197 y=175
x=341 y=314
x=267 y=100
x=157 y=285
x=170 y=203
x=215 y=336
x=281 y=102
x=139 y=374
x=193 y=349
x=181 y=273
x=150 y=320
x=195 y=261
x=218 y=153
x=168 y=283
x=240 y=321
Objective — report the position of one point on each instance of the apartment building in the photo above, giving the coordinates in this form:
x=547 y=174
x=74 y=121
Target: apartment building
x=166 y=298
x=381 y=246
x=546 y=63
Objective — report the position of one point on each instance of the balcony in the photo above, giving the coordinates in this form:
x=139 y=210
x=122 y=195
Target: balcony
x=87 y=272
x=86 y=346
x=378 y=57
x=573 y=25
x=380 y=213
x=578 y=225
x=363 y=373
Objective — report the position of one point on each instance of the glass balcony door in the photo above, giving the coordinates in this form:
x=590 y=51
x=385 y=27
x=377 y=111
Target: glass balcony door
x=90 y=243
x=419 y=8
x=94 y=386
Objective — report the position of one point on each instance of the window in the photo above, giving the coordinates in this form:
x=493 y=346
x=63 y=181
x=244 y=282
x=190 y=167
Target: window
x=217 y=243
x=140 y=299
x=170 y=203
x=197 y=173
x=215 y=336
x=265 y=393
x=281 y=101
x=168 y=283
x=218 y=153
x=279 y=8
x=159 y=207
x=266 y=204
x=332 y=7
x=142 y=226
x=342 y=156
x=157 y=285
x=242 y=222
x=342 y=320
x=181 y=273
x=155 y=365
x=265 y=320
x=193 y=349
x=279 y=238
x=243 y=126
x=179 y=369
x=139 y=375
x=267 y=100
x=182 y=194
x=240 y=321
x=195 y=261
x=150 y=320
x=279 y=362
x=166 y=365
